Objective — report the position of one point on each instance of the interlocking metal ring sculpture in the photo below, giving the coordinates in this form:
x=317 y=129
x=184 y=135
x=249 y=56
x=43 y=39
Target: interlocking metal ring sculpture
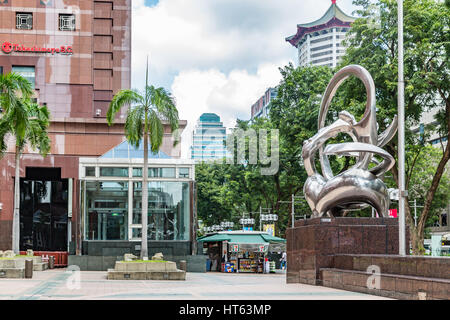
x=358 y=186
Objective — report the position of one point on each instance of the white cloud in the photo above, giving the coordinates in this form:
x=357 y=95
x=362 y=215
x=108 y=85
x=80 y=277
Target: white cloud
x=228 y=95
x=217 y=55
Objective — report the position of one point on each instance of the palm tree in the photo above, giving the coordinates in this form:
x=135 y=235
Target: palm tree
x=28 y=123
x=144 y=121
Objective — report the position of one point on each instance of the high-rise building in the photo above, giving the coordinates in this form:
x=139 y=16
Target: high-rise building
x=208 y=138
x=87 y=190
x=261 y=107
x=319 y=43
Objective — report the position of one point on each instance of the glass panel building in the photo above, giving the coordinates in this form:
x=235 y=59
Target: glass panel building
x=111 y=204
x=208 y=138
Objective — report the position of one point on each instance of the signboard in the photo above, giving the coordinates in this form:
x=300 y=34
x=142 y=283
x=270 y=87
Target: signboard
x=393 y=213
x=234 y=248
x=247 y=228
x=262 y=248
x=270 y=229
x=8 y=47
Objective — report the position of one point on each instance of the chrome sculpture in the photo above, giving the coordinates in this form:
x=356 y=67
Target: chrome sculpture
x=359 y=186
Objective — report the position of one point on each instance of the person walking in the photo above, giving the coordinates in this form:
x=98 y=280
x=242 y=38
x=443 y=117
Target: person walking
x=283 y=261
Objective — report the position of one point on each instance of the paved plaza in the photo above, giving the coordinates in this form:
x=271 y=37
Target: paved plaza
x=62 y=285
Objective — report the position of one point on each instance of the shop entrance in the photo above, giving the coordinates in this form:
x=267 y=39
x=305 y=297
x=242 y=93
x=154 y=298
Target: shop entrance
x=43 y=210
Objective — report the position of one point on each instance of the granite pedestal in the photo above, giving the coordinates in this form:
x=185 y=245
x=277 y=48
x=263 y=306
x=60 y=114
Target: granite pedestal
x=312 y=243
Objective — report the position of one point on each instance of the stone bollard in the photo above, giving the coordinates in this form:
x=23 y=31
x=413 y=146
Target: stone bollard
x=51 y=262
x=422 y=295
x=183 y=265
x=28 y=268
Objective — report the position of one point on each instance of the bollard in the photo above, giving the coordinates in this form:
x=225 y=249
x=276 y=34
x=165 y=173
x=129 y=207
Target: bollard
x=183 y=265
x=51 y=262
x=28 y=269
x=422 y=295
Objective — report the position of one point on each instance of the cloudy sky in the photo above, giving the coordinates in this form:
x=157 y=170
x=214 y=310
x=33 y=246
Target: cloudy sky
x=217 y=55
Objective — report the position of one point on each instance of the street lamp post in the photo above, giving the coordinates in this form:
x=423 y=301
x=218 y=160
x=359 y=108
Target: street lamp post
x=246 y=221
x=269 y=218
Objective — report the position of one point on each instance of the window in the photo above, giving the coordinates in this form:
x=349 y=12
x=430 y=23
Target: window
x=321 y=47
x=183 y=172
x=66 y=22
x=1 y=70
x=168 y=210
x=26 y=72
x=137 y=172
x=321 y=39
x=113 y=172
x=107 y=210
x=24 y=20
x=90 y=171
x=161 y=172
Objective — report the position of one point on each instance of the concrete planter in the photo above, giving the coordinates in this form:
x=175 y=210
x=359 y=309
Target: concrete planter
x=150 y=270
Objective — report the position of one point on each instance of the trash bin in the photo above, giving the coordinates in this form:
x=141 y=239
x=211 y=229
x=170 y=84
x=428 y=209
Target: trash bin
x=51 y=262
x=183 y=265
x=272 y=266
x=208 y=265
x=28 y=268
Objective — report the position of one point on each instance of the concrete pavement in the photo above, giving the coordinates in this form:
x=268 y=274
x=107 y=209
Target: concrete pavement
x=92 y=285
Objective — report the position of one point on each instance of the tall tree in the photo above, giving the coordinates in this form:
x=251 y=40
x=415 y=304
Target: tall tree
x=28 y=123
x=145 y=116
x=373 y=44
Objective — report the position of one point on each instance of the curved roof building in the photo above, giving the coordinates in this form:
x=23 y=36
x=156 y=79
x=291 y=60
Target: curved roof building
x=320 y=42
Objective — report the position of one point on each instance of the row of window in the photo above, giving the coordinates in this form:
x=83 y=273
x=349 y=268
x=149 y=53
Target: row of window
x=322 y=60
x=24 y=21
x=137 y=172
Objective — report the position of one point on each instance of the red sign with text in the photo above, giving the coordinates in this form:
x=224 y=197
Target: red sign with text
x=8 y=47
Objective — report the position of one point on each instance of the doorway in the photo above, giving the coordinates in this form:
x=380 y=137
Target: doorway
x=43 y=210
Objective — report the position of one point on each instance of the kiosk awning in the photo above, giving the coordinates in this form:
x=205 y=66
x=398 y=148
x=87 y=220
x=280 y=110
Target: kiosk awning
x=242 y=238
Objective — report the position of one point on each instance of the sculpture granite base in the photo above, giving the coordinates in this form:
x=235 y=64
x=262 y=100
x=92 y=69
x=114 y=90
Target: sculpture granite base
x=312 y=243
x=147 y=270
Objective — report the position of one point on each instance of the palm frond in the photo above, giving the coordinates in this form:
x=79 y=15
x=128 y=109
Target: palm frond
x=122 y=98
x=164 y=103
x=134 y=124
x=156 y=131
x=36 y=132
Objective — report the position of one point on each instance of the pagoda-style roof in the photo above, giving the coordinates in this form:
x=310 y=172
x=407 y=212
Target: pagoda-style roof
x=334 y=17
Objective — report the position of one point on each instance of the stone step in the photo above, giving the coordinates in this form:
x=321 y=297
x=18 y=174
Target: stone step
x=389 y=285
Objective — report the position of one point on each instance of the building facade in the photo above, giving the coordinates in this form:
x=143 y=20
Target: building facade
x=319 y=43
x=261 y=107
x=208 y=138
x=77 y=55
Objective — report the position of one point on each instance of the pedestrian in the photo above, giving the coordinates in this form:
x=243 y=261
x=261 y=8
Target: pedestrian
x=283 y=261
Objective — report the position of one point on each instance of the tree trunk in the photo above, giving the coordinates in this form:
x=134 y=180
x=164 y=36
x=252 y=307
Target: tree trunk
x=144 y=215
x=16 y=215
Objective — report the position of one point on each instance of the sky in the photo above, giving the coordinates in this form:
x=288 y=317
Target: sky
x=217 y=56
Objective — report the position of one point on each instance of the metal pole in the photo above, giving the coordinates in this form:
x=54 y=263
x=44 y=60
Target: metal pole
x=401 y=133
x=415 y=212
x=260 y=222
x=292 y=209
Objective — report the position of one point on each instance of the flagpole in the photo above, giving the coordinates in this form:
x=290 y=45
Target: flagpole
x=401 y=134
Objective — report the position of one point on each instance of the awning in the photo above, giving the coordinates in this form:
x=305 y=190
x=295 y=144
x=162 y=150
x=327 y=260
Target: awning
x=214 y=238
x=242 y=238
